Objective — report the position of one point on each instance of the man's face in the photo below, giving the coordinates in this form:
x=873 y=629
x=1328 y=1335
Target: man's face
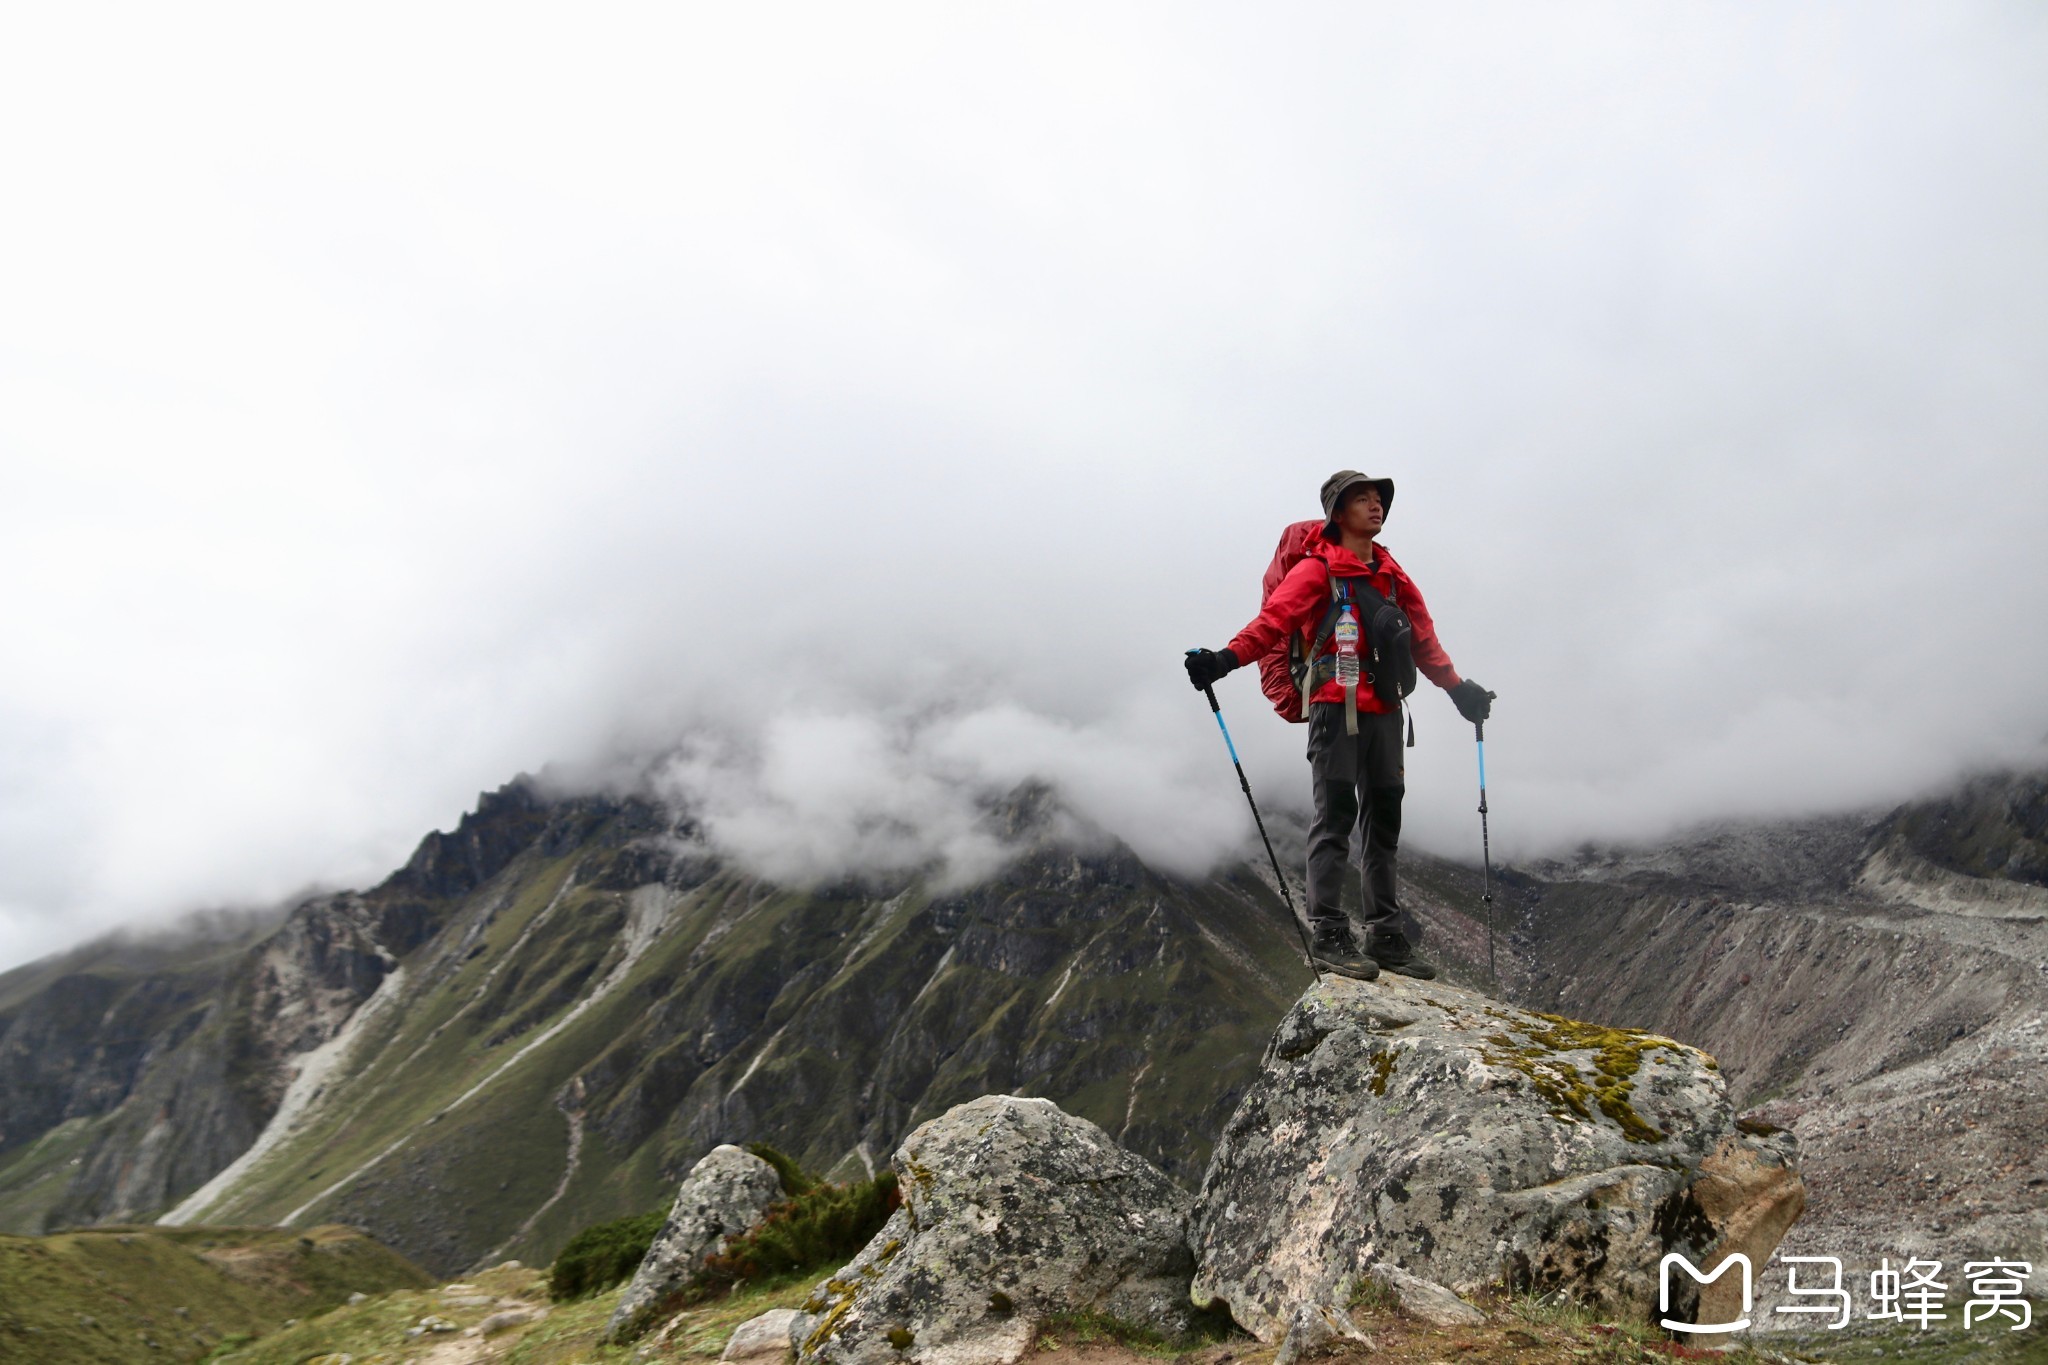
x=1361 y=513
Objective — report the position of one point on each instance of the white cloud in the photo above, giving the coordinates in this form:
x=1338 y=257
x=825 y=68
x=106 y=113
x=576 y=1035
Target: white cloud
x=820 y=796
x=395 y=400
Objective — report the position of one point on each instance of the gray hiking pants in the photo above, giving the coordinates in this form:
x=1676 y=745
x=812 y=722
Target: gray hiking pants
x=1359 y=780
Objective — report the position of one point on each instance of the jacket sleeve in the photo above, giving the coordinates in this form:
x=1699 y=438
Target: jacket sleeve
x=1296 y=602
x=1430 y=659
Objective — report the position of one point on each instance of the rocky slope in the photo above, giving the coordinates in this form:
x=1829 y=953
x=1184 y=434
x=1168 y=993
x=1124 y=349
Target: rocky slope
x=1877 y=984
x=95 y=1044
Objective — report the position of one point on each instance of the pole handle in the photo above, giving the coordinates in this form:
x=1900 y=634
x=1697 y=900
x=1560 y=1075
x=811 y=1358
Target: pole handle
x=1210 y=693
x=1479 y=726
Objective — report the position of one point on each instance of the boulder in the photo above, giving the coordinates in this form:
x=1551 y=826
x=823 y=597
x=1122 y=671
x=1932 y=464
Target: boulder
x=763 y=1340
x=723 y=1197
x=1012 y=1211
x=1311 y=1330
x=1434 y=1130
x=1749 y=1191
x=1426 y=1299
x=509 y=1317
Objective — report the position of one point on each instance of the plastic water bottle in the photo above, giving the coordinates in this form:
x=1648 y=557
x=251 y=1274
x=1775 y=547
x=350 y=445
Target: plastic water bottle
x=1346 y=636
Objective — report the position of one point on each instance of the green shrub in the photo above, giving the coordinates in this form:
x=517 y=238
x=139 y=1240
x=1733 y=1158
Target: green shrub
x=819 y=1226
x=795 y=1179
x=1374 y=1296
x=821 y=1229
x=599 y=1257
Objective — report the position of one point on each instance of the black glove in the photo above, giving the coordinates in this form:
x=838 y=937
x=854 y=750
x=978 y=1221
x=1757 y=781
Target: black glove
x=1474 y=702
x=1205 y=666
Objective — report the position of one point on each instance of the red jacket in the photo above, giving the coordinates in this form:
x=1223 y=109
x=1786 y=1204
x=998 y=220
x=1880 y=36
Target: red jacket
x=1298 y=604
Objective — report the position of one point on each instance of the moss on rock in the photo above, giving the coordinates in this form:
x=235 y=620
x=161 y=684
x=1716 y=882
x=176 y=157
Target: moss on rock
x=1544 y=1055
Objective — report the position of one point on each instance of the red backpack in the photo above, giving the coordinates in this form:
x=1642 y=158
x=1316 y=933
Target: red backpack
x=1276 y=677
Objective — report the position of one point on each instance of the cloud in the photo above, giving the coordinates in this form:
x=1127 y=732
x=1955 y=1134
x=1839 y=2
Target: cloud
x=823 y=796
x=828 y=797
x=394 y=402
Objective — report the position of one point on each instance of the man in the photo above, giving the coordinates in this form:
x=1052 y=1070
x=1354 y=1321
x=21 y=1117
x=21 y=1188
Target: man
x=1359 y=777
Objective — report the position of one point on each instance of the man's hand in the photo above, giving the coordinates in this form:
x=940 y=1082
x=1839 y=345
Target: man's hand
x=1474 y=702
x=1205 y=666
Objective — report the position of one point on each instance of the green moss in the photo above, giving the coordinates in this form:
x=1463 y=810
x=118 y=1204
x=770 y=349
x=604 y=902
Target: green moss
x=921 y=1174
x=1542 y=1054
x=830 y=1325
x=901 y=1337
x=1382 y=1072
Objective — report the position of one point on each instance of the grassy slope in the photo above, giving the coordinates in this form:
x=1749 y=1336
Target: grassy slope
x=107 y=1294
x=374 y=1333
x=424 y=1057
x=33 y=1178
x=819 y=1022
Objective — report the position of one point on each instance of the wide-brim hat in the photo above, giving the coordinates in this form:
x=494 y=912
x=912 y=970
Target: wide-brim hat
x=1343 y=481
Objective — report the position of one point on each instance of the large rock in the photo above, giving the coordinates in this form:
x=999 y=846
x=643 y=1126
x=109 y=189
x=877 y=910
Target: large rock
x=1419 y=1126
x=762 y=1340
x=1013 y=1210
x=1311 y=1330
x=723 y=1197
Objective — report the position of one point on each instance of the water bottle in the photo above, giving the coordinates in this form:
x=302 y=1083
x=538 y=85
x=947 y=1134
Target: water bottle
x=1346 y=636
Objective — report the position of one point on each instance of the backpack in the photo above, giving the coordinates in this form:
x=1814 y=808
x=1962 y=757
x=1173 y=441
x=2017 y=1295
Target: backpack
x=1289 y=678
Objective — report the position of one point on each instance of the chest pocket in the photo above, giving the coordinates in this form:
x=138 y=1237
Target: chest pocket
x=1388 y=648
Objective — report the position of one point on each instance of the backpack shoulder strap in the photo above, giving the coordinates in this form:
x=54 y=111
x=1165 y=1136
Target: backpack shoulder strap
x=1302 y=657
x=1340 y=593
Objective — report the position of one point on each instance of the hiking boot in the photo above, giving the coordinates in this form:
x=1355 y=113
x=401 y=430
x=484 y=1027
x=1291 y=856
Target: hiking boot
x=1392 y=950
x=1338 y=952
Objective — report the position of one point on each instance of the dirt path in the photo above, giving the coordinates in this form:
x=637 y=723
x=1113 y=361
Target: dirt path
x=461 y=1351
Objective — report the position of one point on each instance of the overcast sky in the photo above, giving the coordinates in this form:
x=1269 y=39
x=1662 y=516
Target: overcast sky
x=877 y=401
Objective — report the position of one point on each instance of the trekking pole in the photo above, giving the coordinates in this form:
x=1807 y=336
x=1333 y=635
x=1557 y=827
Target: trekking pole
x=1486 y=853
x=1306 y=956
